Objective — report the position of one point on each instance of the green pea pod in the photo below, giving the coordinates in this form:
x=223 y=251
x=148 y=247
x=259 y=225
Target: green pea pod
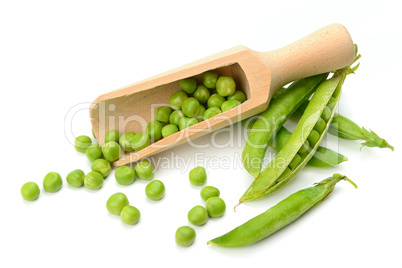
x=278 y=216
x=270 y=121
x=345 y=128
x=323 y=157
x=278 y=172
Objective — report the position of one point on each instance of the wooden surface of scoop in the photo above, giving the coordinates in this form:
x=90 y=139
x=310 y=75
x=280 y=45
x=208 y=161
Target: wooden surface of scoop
x=257 y=74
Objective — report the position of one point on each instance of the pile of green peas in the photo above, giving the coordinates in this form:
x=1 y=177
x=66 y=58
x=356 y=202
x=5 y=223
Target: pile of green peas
x=214 y=207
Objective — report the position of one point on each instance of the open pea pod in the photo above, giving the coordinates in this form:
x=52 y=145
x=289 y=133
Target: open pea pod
x=281 y=170
x=271 y=120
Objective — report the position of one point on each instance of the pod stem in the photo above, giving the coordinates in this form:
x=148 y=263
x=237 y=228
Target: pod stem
x=350 y=181
x=237 y=206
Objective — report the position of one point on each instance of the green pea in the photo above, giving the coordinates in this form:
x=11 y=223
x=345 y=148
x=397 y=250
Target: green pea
x=200 y=116
x=30 y=191
x=230 y=104
x=111 y=151
x=155 y=190
x=169 y=130
x=313 y=138
x=144 y=170
x=209 y=191
x=198 y=215
x=112 y=135
x=186 y=122
x=304 y=148
x=81 y=143
x=101 y=166
x=211 y=112
x=175 y=117
x=295 y=162
x=215 y=100
x=176 y=99
x=326 y=114
x=140 y=141
x=116 y=203
x=216 y=207
x=189 y=85
x=130 y=215
x=238 y=95
x=209 y=79
x=162 y=114
x=94 y=152
x=320 y=125
x=332 y=103
x=124 y=141
x=202 y=94
x=124 y=175
x=154 y=130
x=185 y=236
x=76 y=178
x=52 y=182
x=197 y=176
x=225 y=86
x=93 y=180
x=190 y=107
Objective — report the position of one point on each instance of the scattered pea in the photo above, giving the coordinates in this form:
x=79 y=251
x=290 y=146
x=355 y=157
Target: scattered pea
x=238 y=95
x=52 y=182
x=112 y=135
x=169 y=130
x=225 y=86
x=211 y=112
x=111 y=151
x=202 y=94
x=229 y=104
x=101 y=166
x=154 y=130
x=197 y=176
x=130 y=215
x=176 y=99
x=81 y=143
x=144 y=170
x=190 y=107
x=185 y=236
x=216 y=207
x=189 y=85
x=124 y=175
x=209 y=191
x=198 y=215
x=93 y=180
x=76 y=178
x=94 y=152
x=116 y=203
x=215 y=100
x=200 y=116
x=124 y=141
x=155 y=190
x=209 y=79
x=140 y=141
x=30 y=191
x=162 y=114
x=186 y=122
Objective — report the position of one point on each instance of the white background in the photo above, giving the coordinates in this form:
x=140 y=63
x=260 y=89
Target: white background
x=60 y=55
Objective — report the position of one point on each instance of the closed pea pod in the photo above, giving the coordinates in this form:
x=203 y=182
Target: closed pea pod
x=345 y=128
x=278 y=216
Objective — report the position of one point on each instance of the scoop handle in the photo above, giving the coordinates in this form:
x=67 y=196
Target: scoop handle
x=327 y=49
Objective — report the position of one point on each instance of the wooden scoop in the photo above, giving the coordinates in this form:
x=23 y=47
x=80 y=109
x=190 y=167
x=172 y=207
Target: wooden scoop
x=257 y=74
